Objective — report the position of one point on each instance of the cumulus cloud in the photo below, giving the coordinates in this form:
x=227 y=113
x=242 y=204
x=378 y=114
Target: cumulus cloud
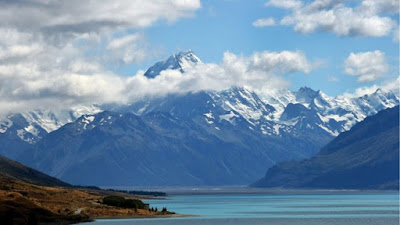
x=55 y=16
x=260 y=71
x=52 y=53
x=29 y=27
x=285 y=4
x=369 y=18
x=22 y=86
x=127 y=49
x=368 y=66
x=389 y=85
x=265 y=22
x=53 y=23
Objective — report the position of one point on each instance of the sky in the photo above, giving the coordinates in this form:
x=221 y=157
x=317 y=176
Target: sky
x=60 y=53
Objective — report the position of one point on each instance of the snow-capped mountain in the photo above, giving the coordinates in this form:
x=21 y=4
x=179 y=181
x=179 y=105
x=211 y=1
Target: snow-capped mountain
x=181 y=61
x=31 y=126
x=202 y=138
x=274 y=113
x=267 y=113
x=365 y=157
x=164 y=148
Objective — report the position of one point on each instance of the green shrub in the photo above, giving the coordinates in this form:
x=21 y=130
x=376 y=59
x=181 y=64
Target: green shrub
x=122 y=202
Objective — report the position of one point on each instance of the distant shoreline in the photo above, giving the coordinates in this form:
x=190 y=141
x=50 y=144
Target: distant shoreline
x=221 y=190
x=145 y=217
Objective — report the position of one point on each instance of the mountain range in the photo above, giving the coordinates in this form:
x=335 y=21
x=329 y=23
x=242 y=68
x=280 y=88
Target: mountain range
x=365 y=157
x=204 y=138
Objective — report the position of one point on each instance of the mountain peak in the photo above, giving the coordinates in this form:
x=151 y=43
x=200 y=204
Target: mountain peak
x=379 y=91
x=306 y=89
x=182 y=61
x=306 y=94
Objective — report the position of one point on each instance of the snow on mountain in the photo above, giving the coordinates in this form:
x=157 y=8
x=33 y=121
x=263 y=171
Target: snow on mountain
x=276 y=112
x=243 y=102
x=5 y=124
x=181 y=61
x=31 y=126
x=231 y=134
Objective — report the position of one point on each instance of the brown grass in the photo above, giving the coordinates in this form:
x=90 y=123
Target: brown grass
x=29 y=204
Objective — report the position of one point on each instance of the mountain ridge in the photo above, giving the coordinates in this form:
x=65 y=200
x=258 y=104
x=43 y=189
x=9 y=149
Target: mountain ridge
x=365 y=157
x=337 y=113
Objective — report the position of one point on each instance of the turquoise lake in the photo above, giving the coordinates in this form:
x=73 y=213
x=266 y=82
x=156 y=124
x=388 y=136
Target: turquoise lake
x=362 y=208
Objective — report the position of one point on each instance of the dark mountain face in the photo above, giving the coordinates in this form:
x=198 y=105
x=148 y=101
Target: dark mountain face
x=365 y=157
x=14 y=170
x=14 y=139
x=159 y=149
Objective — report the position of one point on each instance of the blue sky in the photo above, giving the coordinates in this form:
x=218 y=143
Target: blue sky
x=65 y=53
x=221 y=26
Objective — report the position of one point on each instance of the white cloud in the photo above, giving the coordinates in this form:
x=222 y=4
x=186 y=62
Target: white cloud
x=370 y=18
x=389 y=85
x=27 y=85
x=286 y=4
x=361 y=91
x=374 y=7
x=368 y=66
x=264 y=22
x=333 y=79
x=283 y=62
x=28 y=26
x=55 y=16
x=52 y=53
x=259 y=72
x=127 y=49
x=98 y=29
x=122 y=42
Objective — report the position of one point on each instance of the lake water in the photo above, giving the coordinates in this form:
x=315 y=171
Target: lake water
x=276 y=208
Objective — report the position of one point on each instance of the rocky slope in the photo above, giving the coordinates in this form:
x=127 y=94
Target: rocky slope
x=365 y=157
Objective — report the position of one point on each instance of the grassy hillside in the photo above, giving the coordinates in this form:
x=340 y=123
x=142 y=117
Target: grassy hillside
x=18 y=171
x=29 y=197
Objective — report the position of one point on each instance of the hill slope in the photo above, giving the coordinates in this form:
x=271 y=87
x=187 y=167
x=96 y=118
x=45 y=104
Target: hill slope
x=31 y=197
x=17 y=171
x=366 y=157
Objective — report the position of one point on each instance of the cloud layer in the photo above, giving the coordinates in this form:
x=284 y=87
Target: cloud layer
x=367 y=66
x=72 y=16
x=24 y=87
x=52 y=55
x=369 y=18
x=53 y=52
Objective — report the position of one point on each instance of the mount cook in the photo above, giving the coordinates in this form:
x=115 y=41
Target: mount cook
x=204 y=138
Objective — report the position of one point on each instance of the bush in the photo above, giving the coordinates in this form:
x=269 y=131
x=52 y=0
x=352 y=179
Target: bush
x=122 y=202
x=138 y=192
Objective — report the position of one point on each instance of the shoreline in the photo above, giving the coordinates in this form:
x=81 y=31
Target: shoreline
x=146 y=217
x=227 y=190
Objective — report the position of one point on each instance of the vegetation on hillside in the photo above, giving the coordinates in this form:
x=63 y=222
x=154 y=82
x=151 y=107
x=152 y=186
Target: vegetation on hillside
x=122 y=202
